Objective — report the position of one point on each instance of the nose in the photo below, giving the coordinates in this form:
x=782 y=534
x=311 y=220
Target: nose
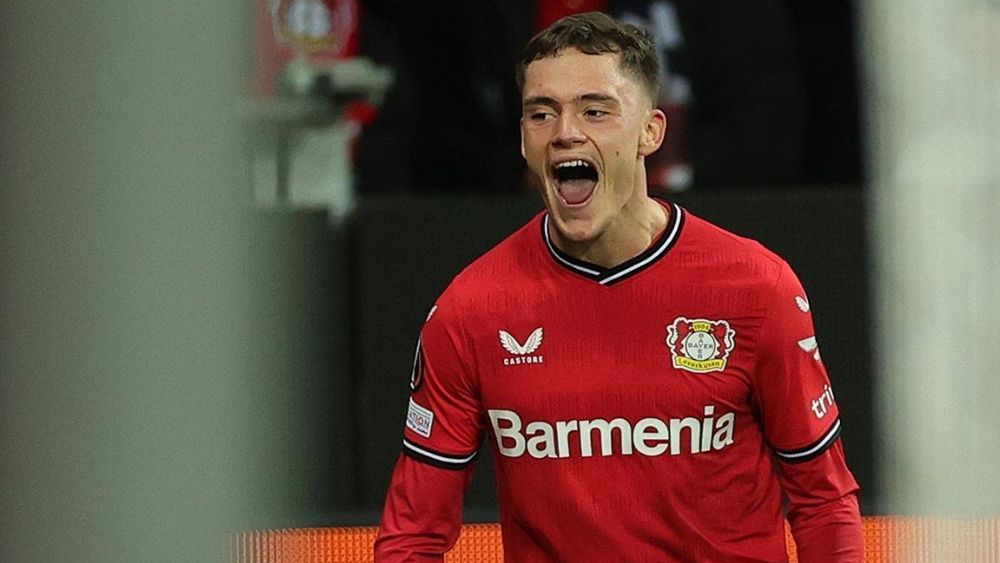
x=567 y=131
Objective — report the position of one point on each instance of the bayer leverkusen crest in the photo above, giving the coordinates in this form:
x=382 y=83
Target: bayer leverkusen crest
x=319 y=28
x=700 y=345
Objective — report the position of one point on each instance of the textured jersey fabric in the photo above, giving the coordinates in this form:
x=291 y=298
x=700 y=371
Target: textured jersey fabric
x=654 y=411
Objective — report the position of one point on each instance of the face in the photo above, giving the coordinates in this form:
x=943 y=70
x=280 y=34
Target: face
x=585 y=129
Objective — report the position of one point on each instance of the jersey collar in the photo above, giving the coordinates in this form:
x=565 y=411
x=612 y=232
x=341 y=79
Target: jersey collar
x=608 y=276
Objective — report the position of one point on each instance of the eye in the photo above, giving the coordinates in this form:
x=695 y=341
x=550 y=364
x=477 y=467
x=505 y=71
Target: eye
x=595 y=113
x=540 y=116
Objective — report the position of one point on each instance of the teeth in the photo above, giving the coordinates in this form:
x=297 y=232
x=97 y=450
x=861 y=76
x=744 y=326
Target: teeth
x=572 y=163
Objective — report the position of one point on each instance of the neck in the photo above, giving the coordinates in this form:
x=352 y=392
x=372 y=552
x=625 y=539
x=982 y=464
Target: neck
x=640 y=222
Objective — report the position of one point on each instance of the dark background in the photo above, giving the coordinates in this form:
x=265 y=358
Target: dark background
x=774 y=93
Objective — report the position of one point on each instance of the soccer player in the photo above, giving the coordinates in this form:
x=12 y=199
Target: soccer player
x=649 y=383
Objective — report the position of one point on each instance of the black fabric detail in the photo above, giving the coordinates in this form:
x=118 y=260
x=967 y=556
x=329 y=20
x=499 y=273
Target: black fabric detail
x=675 y=225
x=454 y=466
x=795 y=456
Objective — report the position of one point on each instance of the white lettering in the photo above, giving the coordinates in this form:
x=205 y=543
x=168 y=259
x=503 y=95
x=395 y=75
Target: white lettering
x=512 y=431
x=706 y=435
x=649 y=436
x=518 y=360
x=605 y=428
x=542 y=443
x=822 y=404
x=563 y=429
x=724 y=434
x=651 y=430
x=677 y=426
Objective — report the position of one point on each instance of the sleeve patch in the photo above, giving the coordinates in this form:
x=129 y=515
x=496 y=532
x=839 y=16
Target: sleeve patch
x=419 y=419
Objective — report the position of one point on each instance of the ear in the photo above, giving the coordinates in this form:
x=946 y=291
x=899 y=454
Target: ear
x=653 y=132
x=522 y=139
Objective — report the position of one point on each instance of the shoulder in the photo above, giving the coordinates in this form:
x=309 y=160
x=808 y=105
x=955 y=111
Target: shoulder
x=509 y=266
x=735 y=257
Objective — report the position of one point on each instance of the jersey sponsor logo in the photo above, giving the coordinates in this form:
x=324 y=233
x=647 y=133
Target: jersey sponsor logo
x=586 y=438
x=522 y=353
x=822 y=404
x=419 y=419
x=700 y=345
x=808 y=345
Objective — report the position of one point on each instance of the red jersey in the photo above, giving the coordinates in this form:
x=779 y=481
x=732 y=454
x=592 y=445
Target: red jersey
x=655 y=411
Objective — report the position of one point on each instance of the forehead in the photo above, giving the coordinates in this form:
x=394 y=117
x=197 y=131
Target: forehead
x=571 y=74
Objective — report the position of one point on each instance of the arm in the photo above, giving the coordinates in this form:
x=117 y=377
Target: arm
x=823 y=508
x=801 y=421
x=422 y=517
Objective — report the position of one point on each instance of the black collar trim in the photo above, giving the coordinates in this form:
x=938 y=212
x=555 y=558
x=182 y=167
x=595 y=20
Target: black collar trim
x=608 y=276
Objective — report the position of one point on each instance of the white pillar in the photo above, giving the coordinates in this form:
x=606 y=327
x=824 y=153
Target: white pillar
x=143 y=302
x=933 y=106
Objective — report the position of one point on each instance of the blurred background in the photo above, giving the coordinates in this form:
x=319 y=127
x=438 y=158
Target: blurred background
x=222 y=224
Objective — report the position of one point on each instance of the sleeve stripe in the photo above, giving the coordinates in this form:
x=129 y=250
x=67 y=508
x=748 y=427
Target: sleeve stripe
x=435 y=458
x=810 y=452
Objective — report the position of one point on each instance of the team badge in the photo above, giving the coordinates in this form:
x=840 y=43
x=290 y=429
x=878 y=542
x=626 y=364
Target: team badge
x=700 y=345
x=322 y=27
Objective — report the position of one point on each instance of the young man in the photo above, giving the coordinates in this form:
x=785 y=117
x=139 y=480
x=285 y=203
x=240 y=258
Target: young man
x=640 y=373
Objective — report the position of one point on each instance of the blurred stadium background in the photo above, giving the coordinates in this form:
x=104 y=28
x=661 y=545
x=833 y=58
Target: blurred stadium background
x=186 y=353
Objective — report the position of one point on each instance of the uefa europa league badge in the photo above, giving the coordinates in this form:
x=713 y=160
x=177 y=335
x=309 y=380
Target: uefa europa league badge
x=314 y=27
x=700 y=345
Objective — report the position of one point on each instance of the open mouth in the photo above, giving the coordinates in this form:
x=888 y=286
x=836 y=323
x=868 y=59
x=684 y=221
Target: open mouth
x=575 y=180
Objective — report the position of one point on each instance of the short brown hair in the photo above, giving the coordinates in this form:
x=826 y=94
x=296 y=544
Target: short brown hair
x=596 y=33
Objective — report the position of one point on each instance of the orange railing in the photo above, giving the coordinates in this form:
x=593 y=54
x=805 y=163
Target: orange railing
x=887 y=539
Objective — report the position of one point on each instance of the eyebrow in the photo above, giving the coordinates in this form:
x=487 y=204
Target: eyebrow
x=596 y=97
x=590 y=97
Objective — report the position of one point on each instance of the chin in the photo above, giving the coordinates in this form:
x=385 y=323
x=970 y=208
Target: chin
x=575 y=229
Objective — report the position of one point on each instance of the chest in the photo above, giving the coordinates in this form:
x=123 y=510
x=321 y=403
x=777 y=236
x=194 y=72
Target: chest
x=635 y=352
